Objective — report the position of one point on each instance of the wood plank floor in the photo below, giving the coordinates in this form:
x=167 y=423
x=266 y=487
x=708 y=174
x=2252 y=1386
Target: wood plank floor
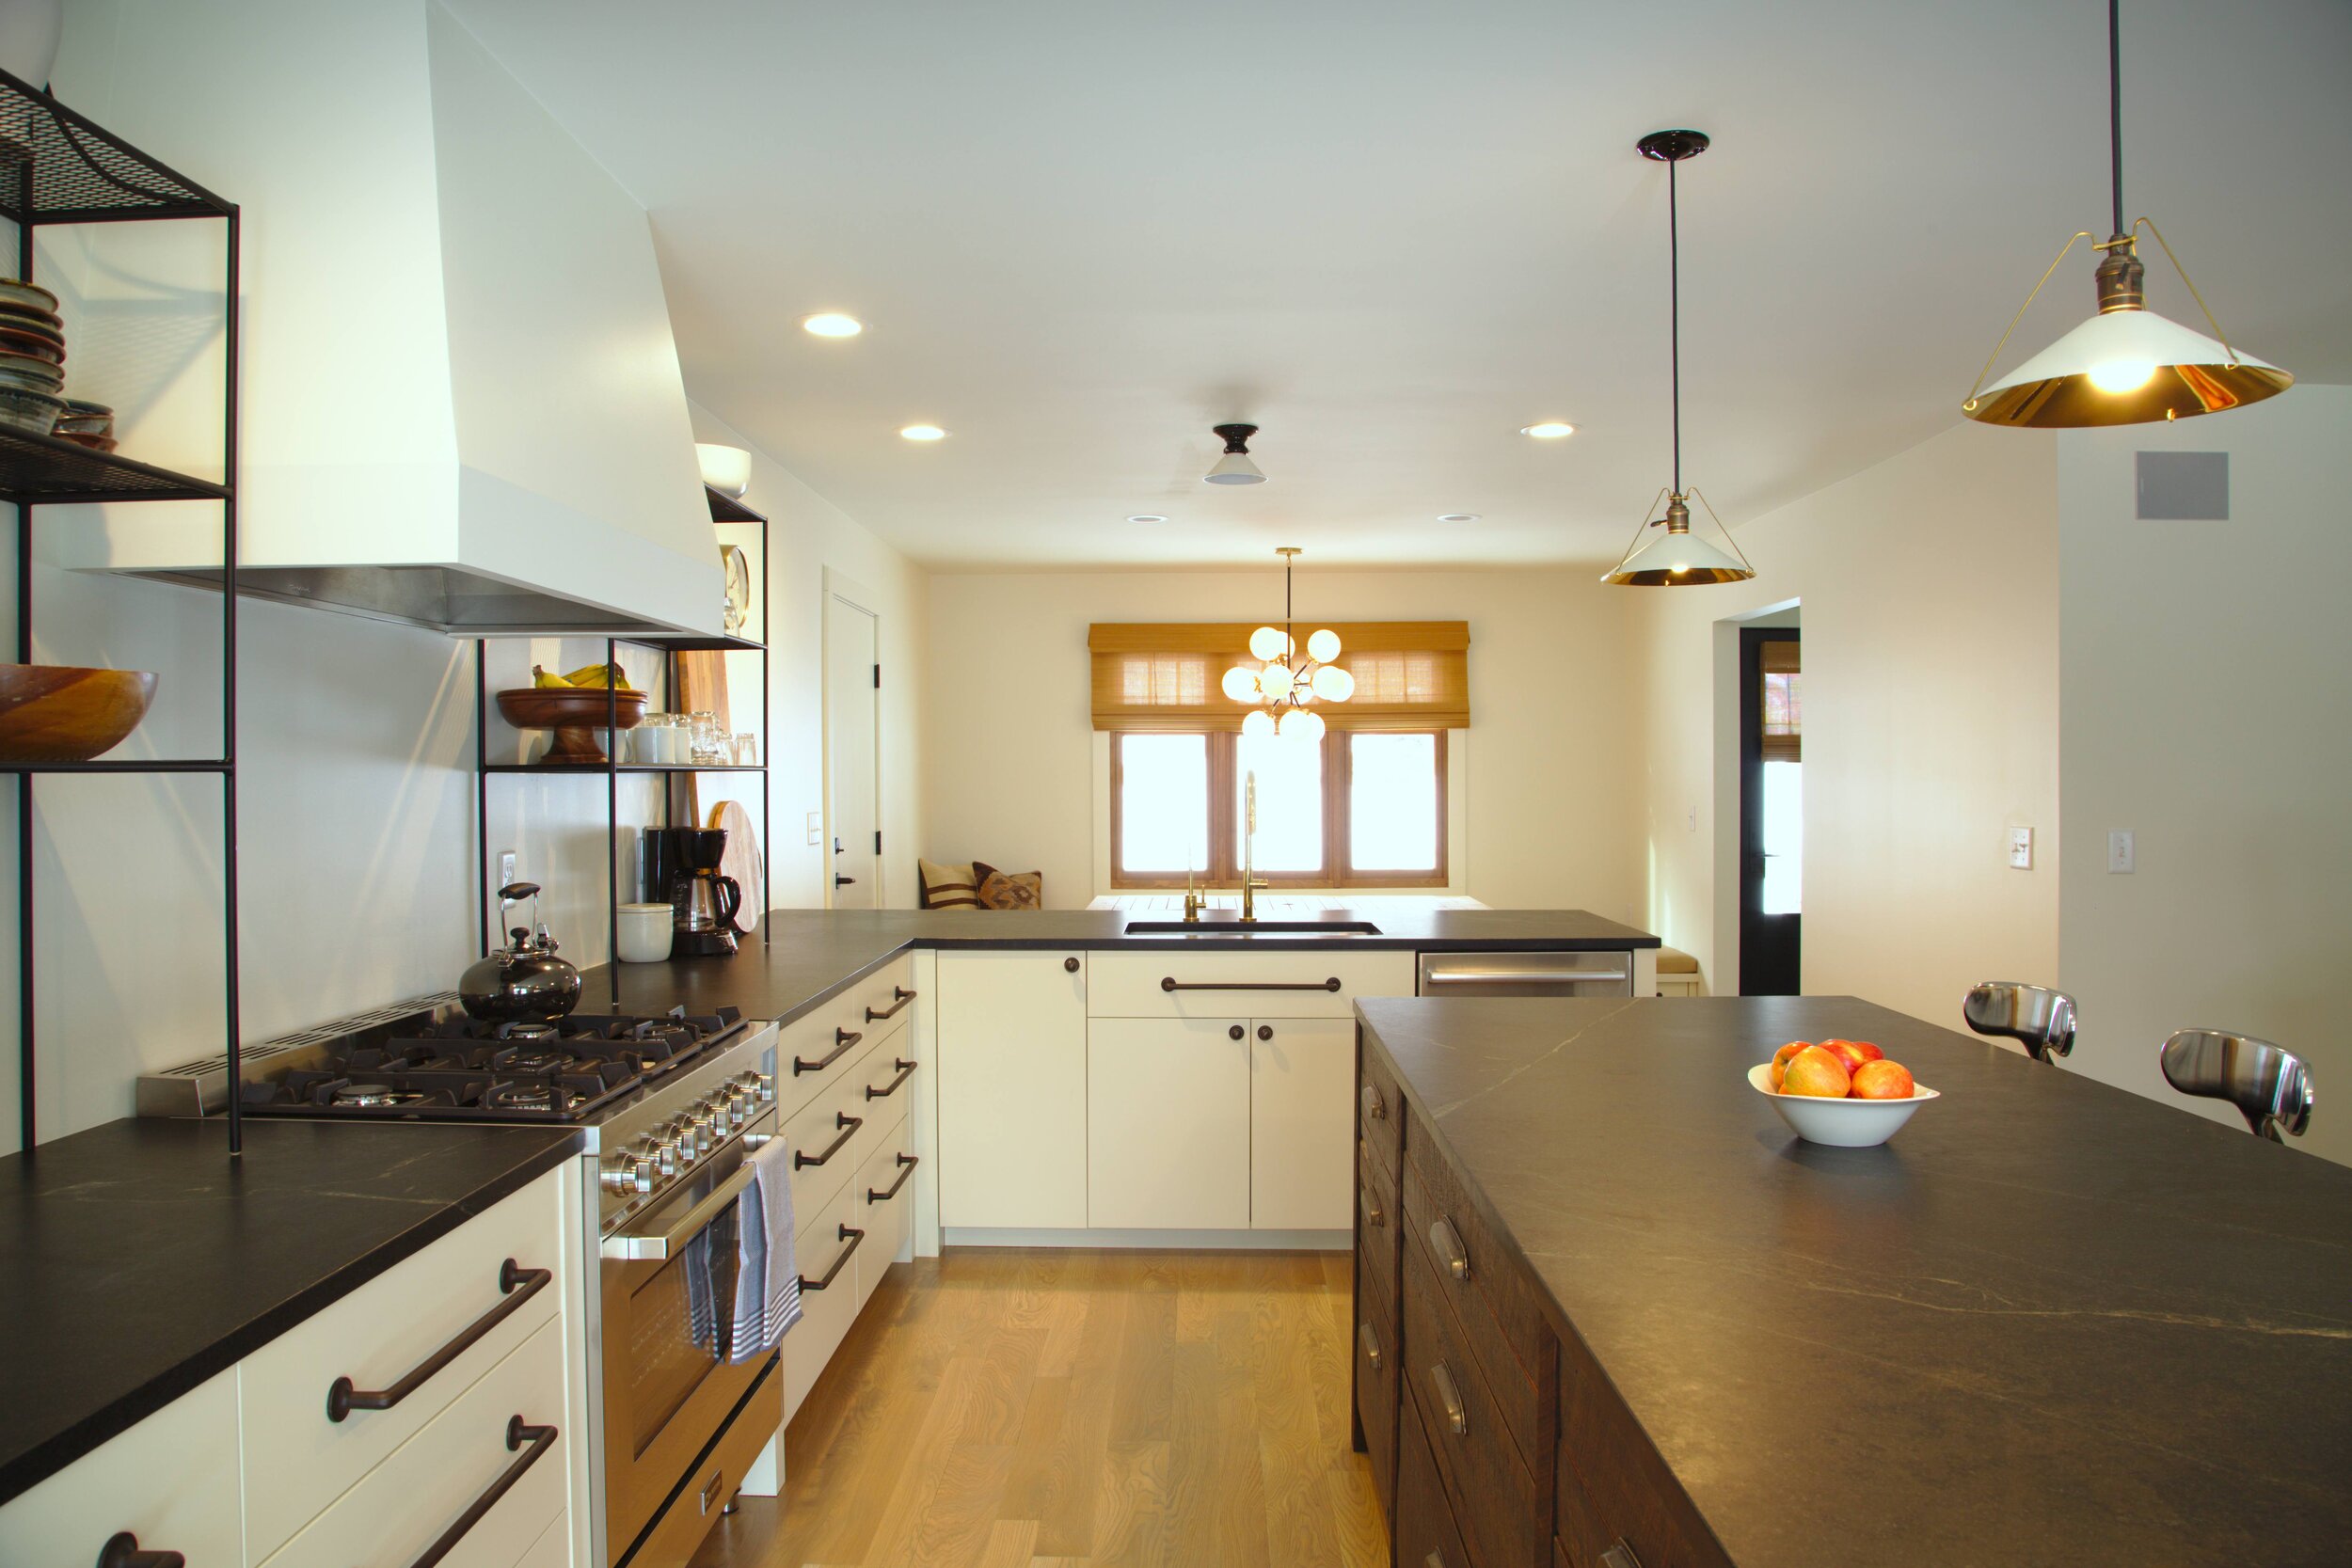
x=1007 y=1409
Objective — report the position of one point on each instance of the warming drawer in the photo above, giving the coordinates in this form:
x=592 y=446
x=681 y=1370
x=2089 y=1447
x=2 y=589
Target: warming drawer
x=1526 y=975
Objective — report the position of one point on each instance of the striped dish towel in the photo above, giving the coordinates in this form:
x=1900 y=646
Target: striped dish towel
x=768 y=1277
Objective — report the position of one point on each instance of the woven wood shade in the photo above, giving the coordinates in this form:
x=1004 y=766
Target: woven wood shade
x=1783 y=737
x=1166 y=676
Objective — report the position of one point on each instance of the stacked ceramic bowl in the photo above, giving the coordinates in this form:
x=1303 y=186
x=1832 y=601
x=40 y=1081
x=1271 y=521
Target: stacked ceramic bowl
x=87 y=425
x=32 y=357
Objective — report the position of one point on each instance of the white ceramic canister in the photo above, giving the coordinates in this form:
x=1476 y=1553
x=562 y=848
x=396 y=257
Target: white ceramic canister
x=645 y=933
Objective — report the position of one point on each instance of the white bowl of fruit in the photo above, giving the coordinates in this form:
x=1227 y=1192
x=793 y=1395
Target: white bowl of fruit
x=1844 y=1093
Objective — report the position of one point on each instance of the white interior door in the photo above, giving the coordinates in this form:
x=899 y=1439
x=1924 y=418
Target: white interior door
x=853 y=814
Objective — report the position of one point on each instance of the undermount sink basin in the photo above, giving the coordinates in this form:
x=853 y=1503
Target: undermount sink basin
x=1231 y=928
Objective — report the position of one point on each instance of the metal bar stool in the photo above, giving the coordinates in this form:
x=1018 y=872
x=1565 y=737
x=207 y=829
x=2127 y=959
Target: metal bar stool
x=2269 y=1085
x=2036 y=1017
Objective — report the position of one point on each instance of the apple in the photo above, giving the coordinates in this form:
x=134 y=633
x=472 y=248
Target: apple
x=1780 y=1058
x=1852 y=1053
x=1818 y=1074
x=1882 y=1080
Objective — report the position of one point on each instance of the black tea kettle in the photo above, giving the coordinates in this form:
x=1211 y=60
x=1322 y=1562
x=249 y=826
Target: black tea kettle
x=524 y=980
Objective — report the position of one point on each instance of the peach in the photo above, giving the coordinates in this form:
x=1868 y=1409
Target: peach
x=1780 y=1058
x=1882 y=1080
x=1818 y=1074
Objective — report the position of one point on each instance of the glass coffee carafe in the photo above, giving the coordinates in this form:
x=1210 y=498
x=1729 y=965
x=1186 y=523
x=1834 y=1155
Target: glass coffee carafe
x=706 y=902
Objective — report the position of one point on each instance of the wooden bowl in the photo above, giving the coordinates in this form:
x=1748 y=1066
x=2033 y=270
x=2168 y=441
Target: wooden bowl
x=55 y=713
x=576 y=716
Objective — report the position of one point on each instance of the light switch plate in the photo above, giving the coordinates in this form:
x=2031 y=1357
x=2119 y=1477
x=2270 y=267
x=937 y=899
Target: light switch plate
x=2120 y=849
x=816 y=828
x=2021 y=848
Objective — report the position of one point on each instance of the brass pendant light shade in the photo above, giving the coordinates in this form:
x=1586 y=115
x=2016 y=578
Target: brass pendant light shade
x=2126 y=365
x=1674 y=556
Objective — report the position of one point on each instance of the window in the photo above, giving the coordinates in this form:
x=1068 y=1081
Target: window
x=1361 y=808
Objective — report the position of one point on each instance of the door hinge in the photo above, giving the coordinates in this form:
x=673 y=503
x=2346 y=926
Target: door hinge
x=877 y=841
x=877 y=677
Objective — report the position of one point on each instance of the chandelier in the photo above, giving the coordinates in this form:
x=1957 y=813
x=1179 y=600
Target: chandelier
x=1283 y=682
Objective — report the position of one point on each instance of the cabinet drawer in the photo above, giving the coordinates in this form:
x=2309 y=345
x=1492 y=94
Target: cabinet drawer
x=826 y=1313
x=883 y=1192
x=1376 y=1358
x=1138 y=984
x=680 y=1527
x=816 y=1050
x=297 y=1459
x=430 y=1481
x=1379 y=1225
x=1493 y=1301
x=1379 y=1111
x=834 y=1133
x=1425 y=1533
x=171 y=1480
x=1502 y=1516
x=1610 y=1484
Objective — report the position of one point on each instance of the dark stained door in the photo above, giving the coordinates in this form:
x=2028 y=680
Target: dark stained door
x=1772 y=813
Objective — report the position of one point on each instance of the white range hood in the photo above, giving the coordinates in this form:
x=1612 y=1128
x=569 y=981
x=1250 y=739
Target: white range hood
x=461 y=399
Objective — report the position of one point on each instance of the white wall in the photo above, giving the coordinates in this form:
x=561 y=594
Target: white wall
x=2206 y=693
x=1008 y=732
x=1928 y=594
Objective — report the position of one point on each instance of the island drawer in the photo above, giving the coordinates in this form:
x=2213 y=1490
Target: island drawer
x=1489 y=1301
x=1502 y=1515
x=1376 y=1361
x=1380 y=1226
x=1192 y=984
x=1610 y=1485
x=1425 y=1535
x=1379 y=1110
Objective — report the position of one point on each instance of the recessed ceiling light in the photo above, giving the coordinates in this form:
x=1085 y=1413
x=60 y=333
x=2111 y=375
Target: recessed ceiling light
x=833 y=323
x=1459 y=517
x=1147 y=517
x=1550 y=430
x=924 y=433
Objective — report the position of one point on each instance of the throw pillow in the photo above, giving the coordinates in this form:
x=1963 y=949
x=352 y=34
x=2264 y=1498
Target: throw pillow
x=1008 y=890
x=948 y=887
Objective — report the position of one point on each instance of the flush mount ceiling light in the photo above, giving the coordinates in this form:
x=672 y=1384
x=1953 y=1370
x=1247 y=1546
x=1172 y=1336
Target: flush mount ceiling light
x=832 y=324
x=924 y=433
x=2126 y=365
x=1459 y=517
x=1234 y=468
x=1549 y=430
x=1285 y=683
x=1677 y=557
x=1147 y=517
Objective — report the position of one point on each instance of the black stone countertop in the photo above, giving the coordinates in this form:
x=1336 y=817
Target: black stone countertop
x=136 y=1260
x=811 y=954
x=2052 y=1321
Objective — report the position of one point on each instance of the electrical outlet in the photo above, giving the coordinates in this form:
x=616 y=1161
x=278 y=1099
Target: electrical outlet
x=815 y=829
x=508 y=860
x=2021 y=848
x=2120 y=849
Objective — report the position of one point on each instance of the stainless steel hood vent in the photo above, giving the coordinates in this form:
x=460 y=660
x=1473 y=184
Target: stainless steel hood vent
x=440 y=598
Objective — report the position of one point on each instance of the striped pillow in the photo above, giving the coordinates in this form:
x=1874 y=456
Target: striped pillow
x=947 y=887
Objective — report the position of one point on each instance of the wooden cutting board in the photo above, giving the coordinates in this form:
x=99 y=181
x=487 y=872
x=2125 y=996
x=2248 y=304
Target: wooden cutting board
x=742 y=861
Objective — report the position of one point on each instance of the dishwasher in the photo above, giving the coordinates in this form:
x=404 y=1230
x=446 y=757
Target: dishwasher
x=1601 y=973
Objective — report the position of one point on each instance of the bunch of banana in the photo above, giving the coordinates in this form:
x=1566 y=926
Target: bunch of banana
x=592 y=678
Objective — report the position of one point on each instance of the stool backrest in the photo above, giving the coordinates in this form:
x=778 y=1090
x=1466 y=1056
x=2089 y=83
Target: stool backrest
x=2269 y=1085
x=2038 y=1017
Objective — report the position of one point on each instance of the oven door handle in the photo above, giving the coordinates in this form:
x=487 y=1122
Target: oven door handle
x=656 y=1246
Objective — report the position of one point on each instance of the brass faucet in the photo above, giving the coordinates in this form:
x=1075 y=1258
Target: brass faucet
x=1194 y=902
x=1248 y=884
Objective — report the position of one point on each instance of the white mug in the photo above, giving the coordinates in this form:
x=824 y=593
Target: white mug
x=645 y=933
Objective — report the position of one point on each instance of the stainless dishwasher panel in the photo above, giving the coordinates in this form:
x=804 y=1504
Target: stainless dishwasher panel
x=1526 y=975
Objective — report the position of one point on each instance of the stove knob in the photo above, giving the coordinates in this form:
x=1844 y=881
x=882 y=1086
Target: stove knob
x=624 y=1173
x=660 y=1153
x=690 y=1146
x=740 y=1107
x=706 y=1134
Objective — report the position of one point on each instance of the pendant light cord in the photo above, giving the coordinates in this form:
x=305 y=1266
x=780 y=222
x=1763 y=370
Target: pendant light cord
x=2115 y=105
x=1674 y=310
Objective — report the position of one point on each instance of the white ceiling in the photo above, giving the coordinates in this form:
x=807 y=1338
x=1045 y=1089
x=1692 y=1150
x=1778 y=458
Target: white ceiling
x=1391 y=233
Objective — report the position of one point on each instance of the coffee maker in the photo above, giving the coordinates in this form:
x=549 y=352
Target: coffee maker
x=682 y=869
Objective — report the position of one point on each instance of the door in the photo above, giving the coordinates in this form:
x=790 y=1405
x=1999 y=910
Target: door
x=852 y=699
x=1772 y=813
x=1168 y=1123
x=1302 y=1123
x=1012 y=1090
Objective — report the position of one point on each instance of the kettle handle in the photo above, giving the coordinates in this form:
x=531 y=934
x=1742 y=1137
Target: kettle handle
x=515 y=893
x=730 y=899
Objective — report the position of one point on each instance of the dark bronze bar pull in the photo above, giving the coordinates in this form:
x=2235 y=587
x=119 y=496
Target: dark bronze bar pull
x=1449 y=1400
x=906 y=1071
x=1169 y=982
x=843 y=1039
x=848 y=1125
x=518 y=1433
x=122 y=1551
x=1446 y=1242
x=906 y=1168
x=1375 y=1108
x=1620 y=1556
x=849 y=1235
x=903 y=995
x=343 y=1399
x=1371 y=1342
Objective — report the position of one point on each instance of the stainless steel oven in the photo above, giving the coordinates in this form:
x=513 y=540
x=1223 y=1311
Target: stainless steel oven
x=1527 y=974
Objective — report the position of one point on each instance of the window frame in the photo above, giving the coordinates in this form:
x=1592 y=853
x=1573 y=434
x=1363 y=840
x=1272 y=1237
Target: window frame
x=1223 y=872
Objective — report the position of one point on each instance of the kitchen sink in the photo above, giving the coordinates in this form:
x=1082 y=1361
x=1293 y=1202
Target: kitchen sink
x=1231 y=928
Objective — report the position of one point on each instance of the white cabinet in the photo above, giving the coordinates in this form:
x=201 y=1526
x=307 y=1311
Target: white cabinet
x=1167 y=1124
x=1013 y=1090
x=1302 y=1123
x=171 y=1480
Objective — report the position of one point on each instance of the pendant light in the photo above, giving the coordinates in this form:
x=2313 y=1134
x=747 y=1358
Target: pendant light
x=1677 y=557
x=2126 y=365
x=1285 y=684
x=1234 y=468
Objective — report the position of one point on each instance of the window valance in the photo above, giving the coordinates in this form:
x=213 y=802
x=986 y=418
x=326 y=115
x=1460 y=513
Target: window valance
x=1166 y=675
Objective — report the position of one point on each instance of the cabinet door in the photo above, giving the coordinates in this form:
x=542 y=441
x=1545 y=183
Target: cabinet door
x=1013 y=1090
x=1167 y=1124
x=171 y=1480
x=1302 y=1123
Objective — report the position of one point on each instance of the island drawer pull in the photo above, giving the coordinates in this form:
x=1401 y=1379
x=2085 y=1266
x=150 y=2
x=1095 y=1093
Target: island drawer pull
x=1371 y=1206
x=1620 y=1556
x=906 y=1168
x=1169 y=982
x=844 y=1040
x=1447 y=1243
x=849 y=1235
x=1449 y=1400
x=517 y=1284
x=122 y=1551
x=1371 y=1342
x=1375 y=1108
x=848 y=1125
x=518 y=1433
x=898 y=1007
x=906 y=1071
x=1435 y=1560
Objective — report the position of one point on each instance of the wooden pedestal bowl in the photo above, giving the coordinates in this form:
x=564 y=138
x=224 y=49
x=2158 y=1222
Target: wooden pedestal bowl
x=56 y=713
x=576 y=716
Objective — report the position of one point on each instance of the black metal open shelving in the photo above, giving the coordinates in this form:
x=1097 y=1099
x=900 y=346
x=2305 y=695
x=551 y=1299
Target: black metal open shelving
x=58 y=166
x=725 y=509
